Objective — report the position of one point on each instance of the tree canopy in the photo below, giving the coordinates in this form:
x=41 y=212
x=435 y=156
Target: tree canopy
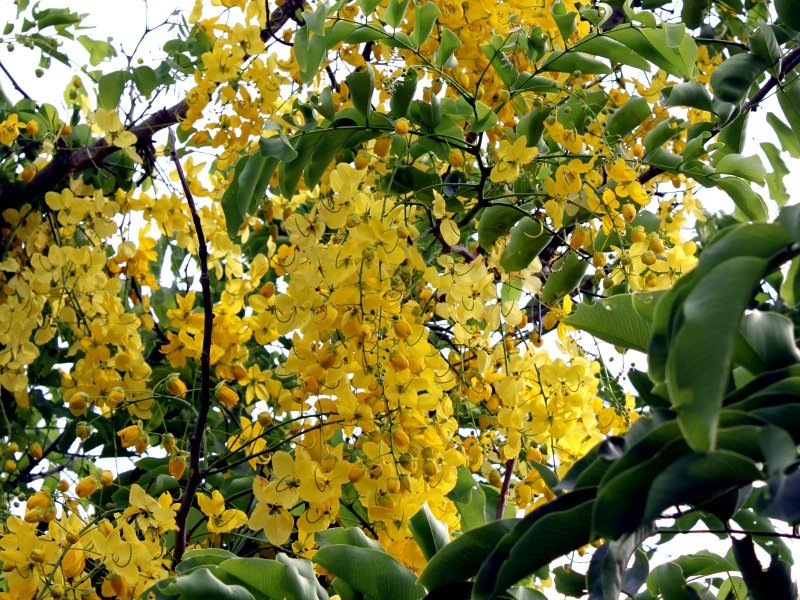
x=327 y=299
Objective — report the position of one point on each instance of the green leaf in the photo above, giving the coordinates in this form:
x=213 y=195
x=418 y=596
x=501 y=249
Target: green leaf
x=351 y=536
x=109 y=89
x=253 y=181
x=562 y=282
x=697 y=477
x=201 y=584
x=748 y=167
x=430 y=534
x=662 y=133
x=691 y=93
x=495 y=222
x=700 y=354
x=198 y=559
x=694 y=11
x=505 y=70
x=764 y=44
x=362 y=85
x=668 y=581
x=777 y=189
x=367 y=6
x=569 y=62
x=607 y=47
x=146 y=80
x=733 y=78
x=424 y=20
x=628 y=117
x=484 y=118
x=278 y=147
x=309 y=51
x=651 y=44
x=565 y=522
x=373 y=573
x=787 y=137
x=528 y=238
x=623 y=320
x=622 y=497
x=98 y=50
x=771 y=337
x=461 y=558
x=566 y=21
x=747 y=201
x=790 y=288
x=281 y=579
x=403 y=94
x=469 y=500
x=395 y=12
x=609 y=564
x=788 y=13
x=449 y=42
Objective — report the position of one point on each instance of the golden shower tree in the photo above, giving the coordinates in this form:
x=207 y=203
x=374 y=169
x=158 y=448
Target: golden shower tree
x=291 y=335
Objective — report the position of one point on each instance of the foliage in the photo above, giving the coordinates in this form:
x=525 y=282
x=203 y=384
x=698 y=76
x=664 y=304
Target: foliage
x=303 y=311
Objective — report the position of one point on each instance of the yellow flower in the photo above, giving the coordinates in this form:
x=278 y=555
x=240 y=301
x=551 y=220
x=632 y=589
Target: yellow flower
x=512 y=158
x=220 y=519
x=86 y=487
x=133 y=436
x=9 y=129
x=150 y=513
x=272 y=512
x=115 y=133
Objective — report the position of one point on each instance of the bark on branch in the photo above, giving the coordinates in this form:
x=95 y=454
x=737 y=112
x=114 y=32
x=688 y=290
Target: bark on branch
x=196 y=440
x=69 y=161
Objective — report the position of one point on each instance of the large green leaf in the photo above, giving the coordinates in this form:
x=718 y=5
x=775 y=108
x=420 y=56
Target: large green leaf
x=747 y=201
x=109 y=89
x=567 y=278
x=609 y=564
x=461 y=558
x=748 y=167
x=196 y=585
x=700 y=355
x=697 y=477
x=495 y=222
x=371 y=572
x=691 y=93
x=528 y=238
x=628 y=117
x=771 y=337
x=622 y=497
x=430 y=533
x=350 y=536
x=733 y=78
x=281 y=579
x=569 y=62
x=565 y=522
x=623 y=320
x=206 y=557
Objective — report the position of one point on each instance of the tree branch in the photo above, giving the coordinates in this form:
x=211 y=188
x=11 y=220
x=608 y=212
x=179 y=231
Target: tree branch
x=14 y=82
x=788 y=63
x=501 y=500
x=65 y=164
x=196 y=439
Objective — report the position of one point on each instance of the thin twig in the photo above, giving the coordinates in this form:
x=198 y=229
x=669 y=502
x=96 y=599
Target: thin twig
x=775 y=534
x=14 y=82
x=501 y=501
x=196 y=439
x=788 y=63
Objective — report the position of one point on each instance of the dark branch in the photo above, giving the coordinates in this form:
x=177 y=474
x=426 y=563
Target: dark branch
x=196 y=440
x=14 y=82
